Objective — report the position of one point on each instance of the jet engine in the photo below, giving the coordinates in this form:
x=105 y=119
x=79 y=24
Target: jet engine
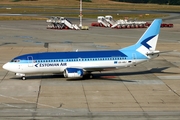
x=73 y=73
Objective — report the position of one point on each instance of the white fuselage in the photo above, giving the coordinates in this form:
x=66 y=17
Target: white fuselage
x=57 y=67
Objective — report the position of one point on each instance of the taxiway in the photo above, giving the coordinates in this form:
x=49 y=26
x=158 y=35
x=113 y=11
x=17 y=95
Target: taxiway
x=148 y=91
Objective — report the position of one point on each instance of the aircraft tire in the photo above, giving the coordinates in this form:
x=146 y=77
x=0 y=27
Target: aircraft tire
x=23 y=78
x=91 y=76
x=88 y=76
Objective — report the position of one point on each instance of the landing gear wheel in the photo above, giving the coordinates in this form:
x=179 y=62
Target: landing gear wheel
x=23 y=78
x=90 y=76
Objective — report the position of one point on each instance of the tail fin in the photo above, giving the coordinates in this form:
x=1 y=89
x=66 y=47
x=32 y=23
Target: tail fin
x=148 y=40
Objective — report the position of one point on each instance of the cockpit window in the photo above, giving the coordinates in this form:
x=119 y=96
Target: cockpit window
x=15 y=60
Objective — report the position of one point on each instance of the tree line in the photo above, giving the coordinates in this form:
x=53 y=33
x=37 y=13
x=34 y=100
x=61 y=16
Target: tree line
x=168 y=2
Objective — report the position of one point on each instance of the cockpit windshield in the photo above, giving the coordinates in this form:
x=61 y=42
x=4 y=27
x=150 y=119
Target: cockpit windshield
x=15 y=60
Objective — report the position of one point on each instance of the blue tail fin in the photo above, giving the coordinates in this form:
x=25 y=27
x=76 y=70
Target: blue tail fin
x=148 y=40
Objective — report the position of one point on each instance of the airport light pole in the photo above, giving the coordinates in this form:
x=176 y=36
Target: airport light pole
x=80 y=16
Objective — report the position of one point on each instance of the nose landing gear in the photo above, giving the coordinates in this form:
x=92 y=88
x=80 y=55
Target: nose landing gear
x=23 y=78
x=22 y=75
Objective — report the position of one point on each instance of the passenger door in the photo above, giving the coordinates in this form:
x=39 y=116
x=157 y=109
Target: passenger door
x=30 y=61
x=134 y=58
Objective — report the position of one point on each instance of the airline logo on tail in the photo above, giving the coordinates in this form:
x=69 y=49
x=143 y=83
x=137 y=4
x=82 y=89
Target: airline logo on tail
x=145 y=42
x=150 y=37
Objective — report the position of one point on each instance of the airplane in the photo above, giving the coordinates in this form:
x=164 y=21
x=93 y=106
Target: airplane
x=77 y=64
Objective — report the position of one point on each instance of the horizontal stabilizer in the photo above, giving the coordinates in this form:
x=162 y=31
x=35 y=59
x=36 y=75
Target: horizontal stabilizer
x=157 y=52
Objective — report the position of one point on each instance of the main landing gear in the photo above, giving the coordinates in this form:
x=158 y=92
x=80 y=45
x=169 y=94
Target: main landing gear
x=88 y=76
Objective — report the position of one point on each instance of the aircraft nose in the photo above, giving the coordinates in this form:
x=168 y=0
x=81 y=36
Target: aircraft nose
x=6 y=66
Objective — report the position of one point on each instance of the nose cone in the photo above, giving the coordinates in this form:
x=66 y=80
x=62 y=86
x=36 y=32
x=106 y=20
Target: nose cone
x=6 y=66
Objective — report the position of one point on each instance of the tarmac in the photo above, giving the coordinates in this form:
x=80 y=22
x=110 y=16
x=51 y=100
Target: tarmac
x=148 y=91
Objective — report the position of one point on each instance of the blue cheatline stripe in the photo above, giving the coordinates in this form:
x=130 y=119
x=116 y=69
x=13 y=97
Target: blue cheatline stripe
x=70 y=55
x=74 y=60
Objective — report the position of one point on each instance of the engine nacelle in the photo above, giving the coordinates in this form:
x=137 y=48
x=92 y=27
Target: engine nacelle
x=73 y=73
